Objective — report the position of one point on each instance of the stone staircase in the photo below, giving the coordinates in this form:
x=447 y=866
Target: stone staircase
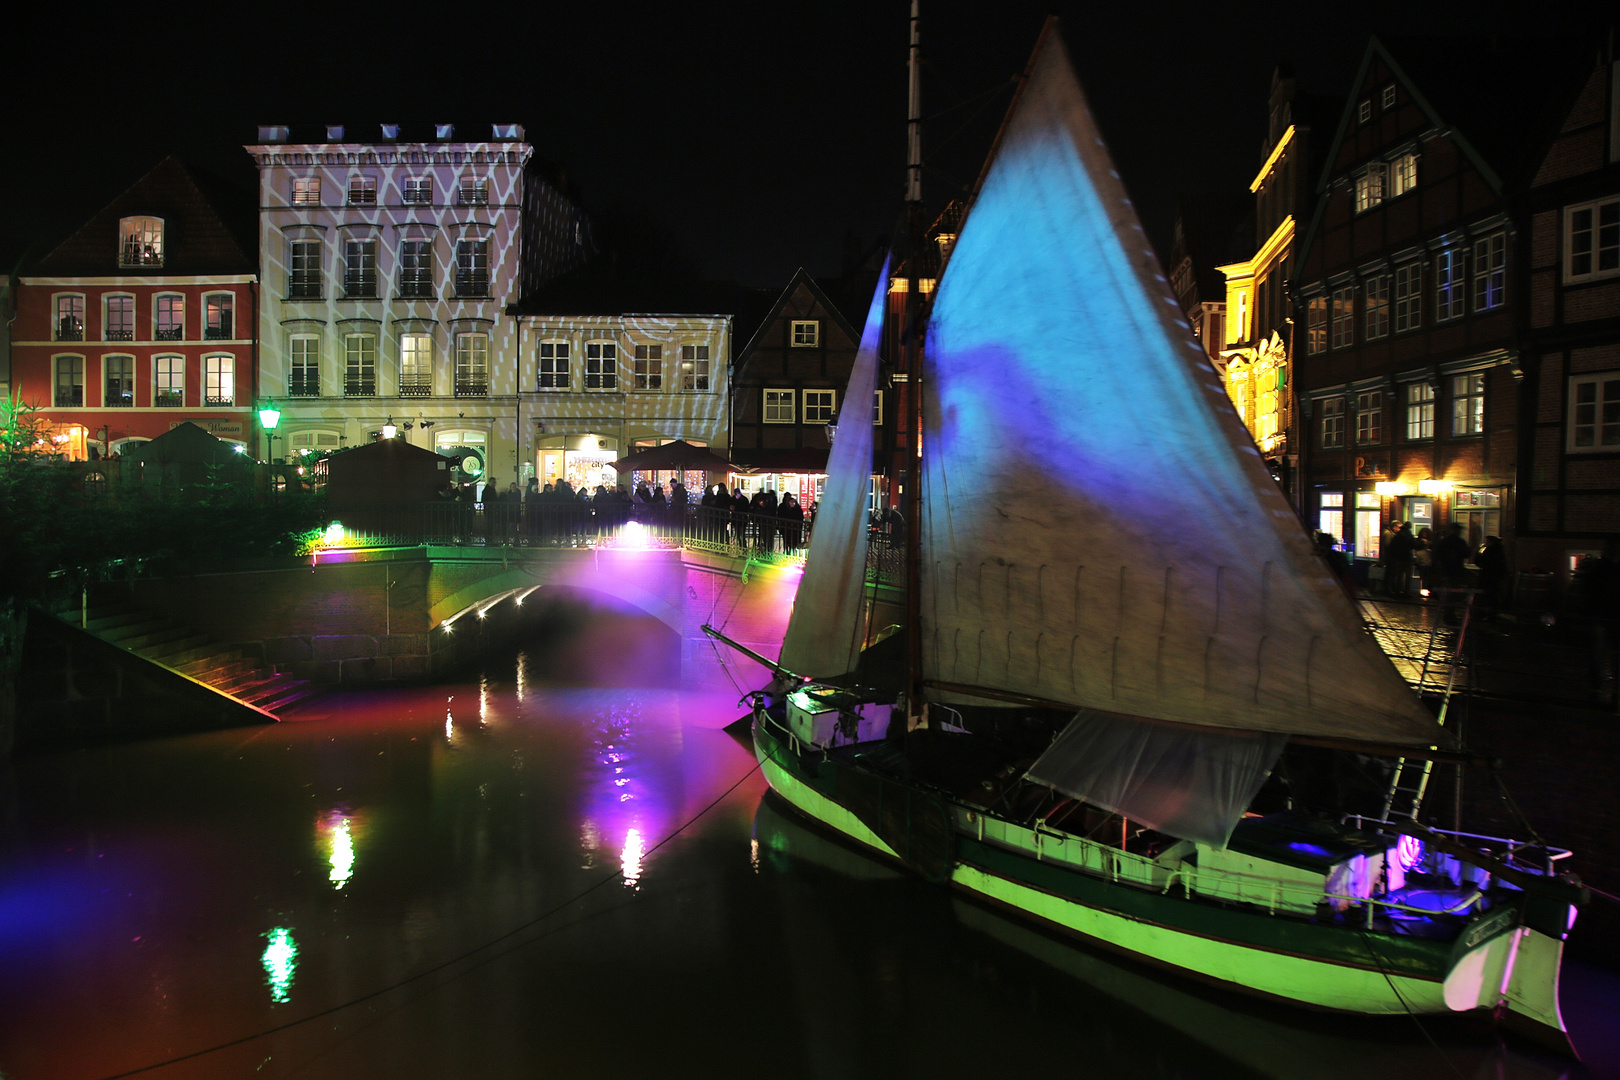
x=172 y=645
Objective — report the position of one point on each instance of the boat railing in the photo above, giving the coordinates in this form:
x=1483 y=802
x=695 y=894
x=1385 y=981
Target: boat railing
x=1507 y=847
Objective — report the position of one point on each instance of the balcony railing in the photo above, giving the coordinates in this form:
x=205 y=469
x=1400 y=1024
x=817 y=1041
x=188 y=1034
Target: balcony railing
x=359 y=287
x=222 y=332
x=472 y=283
x=309 y=386
x=303 y=290
x=69 y=328
x=119 y=396
x=472 y=388
x=219 y=401
x=169 y=333
x=415 y=386
x=415 y=290
x=120 y=335
x=69 y=396
x=169 y=399
x=360 y=387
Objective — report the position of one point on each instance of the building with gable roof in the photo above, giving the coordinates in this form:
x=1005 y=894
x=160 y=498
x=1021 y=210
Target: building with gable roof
x=143 y=319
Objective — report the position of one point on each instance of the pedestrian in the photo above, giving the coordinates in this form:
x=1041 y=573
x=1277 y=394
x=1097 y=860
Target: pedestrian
x=1423 y=560
x=1451 y=570
x=1327 y=547
x=1492 y=563
x=1596 y=596
x=791 y=516
x=1398 y=553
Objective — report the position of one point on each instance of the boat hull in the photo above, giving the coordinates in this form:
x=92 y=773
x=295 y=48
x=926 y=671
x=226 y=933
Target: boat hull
x=1335 y=967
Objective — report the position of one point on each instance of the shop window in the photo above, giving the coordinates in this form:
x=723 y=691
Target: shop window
x=1369 y=525
x=1330 y=515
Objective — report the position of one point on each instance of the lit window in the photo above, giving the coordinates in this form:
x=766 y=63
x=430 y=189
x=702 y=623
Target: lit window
x=472 y=365
x=304 y=270
x=1364 y=111
x=171 y=318
x=1402 y=175
x=1419 y=411
x=779 y=407
x=1330 y=515
x=1594 y=420
x=360 y=269
x=1333 y=423
x=362 y=191
x=474 y=190
x=694 y=368
x=1376 y=292
x=69 y=382
x=416 y=269
x=219 y=380
x=553 y=373
x=1468 y=404
x=1369 y=524
x=1344 y=310
x=418 y=190
x=304 y=372
x=306 y=191
x=140 y=241
x=472 y=267
x=359 y=365
x=119 y=376
x=415 y=365
x=1370 y=187
x=1448 y=285
x=218 y=321
x=169 y=382
x=806 y=333
x=601 y=365
x=649 y=367
x=1408 y=297
x=820 y=406
x=1592 y=240
x=1369 y=418
x=877 y=408
x=1316 y=311
x=119 y=324
x=69 y=318
x=1490 y=272
x=1388 y=97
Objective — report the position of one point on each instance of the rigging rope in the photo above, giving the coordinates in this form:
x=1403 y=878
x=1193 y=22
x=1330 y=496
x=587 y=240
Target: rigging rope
x=1366 y=940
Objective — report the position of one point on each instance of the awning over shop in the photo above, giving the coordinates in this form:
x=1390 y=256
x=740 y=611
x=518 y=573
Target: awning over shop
x=807 y=460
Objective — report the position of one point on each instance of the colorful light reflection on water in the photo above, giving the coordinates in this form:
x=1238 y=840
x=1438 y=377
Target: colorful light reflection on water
x=337 y=837
x=280 y=962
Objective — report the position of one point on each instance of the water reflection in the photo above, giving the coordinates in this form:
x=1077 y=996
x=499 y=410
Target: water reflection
x=630 y=860
x=280 y=961
x=628 y=788
x=334 y=830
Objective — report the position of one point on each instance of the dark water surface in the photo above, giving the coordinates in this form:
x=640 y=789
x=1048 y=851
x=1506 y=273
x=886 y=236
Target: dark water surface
x=493 y=880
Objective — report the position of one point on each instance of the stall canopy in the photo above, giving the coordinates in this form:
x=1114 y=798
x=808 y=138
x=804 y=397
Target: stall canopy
x=679 y=455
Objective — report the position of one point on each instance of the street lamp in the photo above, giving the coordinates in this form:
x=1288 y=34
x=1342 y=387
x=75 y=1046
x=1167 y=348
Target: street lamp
x=269 y=417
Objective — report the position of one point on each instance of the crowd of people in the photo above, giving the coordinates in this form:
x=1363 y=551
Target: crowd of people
x=1441 y=565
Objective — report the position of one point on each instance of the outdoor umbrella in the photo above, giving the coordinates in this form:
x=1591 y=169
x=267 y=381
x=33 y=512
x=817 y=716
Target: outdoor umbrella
x=679 y=455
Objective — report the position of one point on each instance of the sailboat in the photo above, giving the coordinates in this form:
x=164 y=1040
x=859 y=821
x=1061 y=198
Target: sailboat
x=1117 y=625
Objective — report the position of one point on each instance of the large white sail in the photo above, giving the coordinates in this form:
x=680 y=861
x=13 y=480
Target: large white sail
x=1098 y=528
x=824 y=635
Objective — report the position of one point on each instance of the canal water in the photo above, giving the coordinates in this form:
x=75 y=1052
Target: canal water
x=516 y=877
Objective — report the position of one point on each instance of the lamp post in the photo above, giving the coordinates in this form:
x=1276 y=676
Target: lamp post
x=269 y=417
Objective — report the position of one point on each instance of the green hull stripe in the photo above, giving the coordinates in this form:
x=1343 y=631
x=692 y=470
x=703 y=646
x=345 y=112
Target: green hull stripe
x=775 y=761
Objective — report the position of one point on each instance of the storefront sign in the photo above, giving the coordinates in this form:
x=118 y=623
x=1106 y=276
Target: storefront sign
x=223 y=429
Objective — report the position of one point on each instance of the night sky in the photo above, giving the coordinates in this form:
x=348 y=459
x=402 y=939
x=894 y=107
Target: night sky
x=756 y=137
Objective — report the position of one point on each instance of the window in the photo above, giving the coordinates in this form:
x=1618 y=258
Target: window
x=304 y=371
x=694 y=368
x=1332 y=423
x=359 y=365
x=1594 y=422
x=472 y=267
x=218 y=324
x=1344 y=310
x=1364 y=111
x=304 y=270
x=1370 y=187
x=362 y=190
x=474 y=190
x=649 y=365
x=1387 y=98
x=1369 y=524
x=69 y=382
x=779 y=407
x=1330 y=514
x=1402 y=175
x=1376 y=291
x=416 y=269
x=877 y=408
x=472 y=365
x=119 y=323
x=1369 y=418
x=140 y=241
x=360 y=269
x=416 y=365
x=306 y=191
x=118 y=373
x=1592 y=240
x=1408 y=297
x=219 y=380
x=1468 y=404
x=171 y=318
x=418 y=190
x=1490 y=272
x=601 y=365
x=1315 y=325
x=820 y=406
x=1448 y=285
x=553 y=365
x=806 y=333
x=169 y=382
x=1419 y=411
x=69 y=318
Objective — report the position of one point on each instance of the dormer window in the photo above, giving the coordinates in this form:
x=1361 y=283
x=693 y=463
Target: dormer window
x=140 y=241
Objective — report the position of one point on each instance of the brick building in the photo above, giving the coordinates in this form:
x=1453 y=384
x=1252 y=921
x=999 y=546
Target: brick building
x=143 y=319
x=1571 y=448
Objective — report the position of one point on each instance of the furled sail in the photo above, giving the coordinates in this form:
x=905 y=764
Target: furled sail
x=1098 y=529
x=824 y=632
